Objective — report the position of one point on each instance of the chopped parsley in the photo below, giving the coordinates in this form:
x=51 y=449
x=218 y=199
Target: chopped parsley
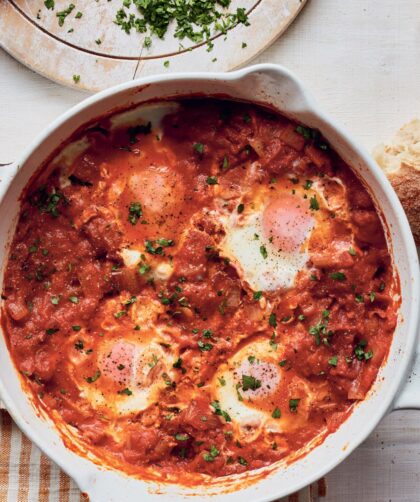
x=272 y=321
x=225 y=164
x=319 y=330
x=91 y=379
x=313 y=203
x=135 y=212
x=276 y=413
x=64 y=13
x=74 y=299
x=47 y=202
x=178 y=365
x=214 y=452
x=311 y=135
x=222 y=381
x=242 y=461
x=293 y=405
x=251 y=359
x=132 y=300
x=250 y=383
x=125 y=392
x=76 y=327
x=79 y=345
x=134 y=131
x=372 y=296
x=51 y=331
x=360 y=353
x=143 y=268
x=218 y=411
x=283 y=363
x=165 y=242
x=181 y=437
x=76 y=79
x=49 y=4
x=308 y=184
x=161 y=243
x=120 y=314
x=263 y=251
x=199 y=147
x=240 y=208
x=352 y=251
x=338 y=276
x=204 y=347
x=257 y=295
x=211 y=180
x=196 y=20
x=306 y=132
x=333 y=361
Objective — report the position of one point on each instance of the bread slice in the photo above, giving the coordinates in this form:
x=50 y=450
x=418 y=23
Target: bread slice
x=400 y=160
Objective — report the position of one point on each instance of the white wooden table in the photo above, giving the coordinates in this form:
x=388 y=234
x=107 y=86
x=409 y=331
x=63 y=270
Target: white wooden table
x=361 y=58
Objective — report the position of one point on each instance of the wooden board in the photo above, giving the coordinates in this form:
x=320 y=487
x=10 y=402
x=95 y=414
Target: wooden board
x=95 y=48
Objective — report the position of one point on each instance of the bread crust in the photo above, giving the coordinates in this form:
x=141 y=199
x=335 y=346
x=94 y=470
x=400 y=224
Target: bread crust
x=400 y=160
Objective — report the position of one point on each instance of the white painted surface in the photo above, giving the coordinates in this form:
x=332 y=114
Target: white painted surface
x=361 y=60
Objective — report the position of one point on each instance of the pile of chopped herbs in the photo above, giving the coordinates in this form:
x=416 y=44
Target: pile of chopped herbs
x=196 y=20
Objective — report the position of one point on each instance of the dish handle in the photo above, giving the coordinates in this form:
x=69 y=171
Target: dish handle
x=408 y=397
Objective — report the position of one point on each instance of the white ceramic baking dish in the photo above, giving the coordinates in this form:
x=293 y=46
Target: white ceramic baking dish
x=276 y=87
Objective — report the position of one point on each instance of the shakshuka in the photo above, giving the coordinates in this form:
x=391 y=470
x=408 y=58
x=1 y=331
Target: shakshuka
x=198 y=287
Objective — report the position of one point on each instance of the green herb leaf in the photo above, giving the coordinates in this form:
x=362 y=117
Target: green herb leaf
x=338 y=276
x=276 y=413
x=218 y=411
x=204 y=347
x=64 y=13
x=313 y=203
x=293 y=405
x=135 y=212
x=250 y=383
x=242 y=461
x=333 y=361
x=181 y=437
x=51 y=331
x=91 y=379
x=272 y=321
x=211 y=180
x=126 y=392
x=263 y=251
x=199 y=147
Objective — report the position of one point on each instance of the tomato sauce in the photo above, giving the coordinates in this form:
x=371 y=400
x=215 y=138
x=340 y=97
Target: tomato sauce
x=140 y=320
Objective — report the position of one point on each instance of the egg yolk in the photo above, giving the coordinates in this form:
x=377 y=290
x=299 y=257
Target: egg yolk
x=118 y=362
x=286 y=222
